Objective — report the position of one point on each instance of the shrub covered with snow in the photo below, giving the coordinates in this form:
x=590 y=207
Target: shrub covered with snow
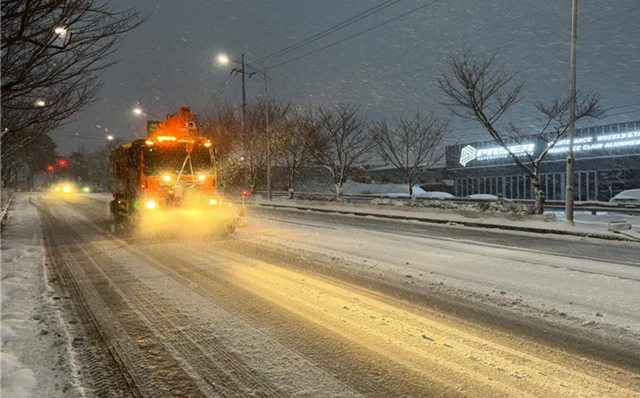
x=499 y=206
x=506 y=206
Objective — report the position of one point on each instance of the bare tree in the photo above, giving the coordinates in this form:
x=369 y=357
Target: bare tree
x=253 y=139
x=222 y=126
x=53 y=56
x=33 y=159
x=413 y=146
x=337 y=139
x=289 y=145
x=478 y=89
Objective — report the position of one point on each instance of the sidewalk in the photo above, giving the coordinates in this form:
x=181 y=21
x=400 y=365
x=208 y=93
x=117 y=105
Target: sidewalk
x=35 y=347
x=586 y=224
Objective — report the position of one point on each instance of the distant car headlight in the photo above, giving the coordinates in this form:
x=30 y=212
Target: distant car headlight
x=67 y=189
x=150 y=204
x=213 y=202
x=201 y=177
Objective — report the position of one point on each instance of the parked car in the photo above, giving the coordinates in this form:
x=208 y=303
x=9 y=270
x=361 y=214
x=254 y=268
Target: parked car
x=483 y=196
x=630 y=196
x=403 y=192
x=436 y=195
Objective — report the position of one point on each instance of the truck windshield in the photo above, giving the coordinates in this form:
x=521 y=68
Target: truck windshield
x=169 y=159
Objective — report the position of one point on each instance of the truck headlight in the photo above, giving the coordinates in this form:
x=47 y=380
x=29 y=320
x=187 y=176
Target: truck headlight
x=67 y=189
x=213 y=202
x=150 y=204
x=167 y=178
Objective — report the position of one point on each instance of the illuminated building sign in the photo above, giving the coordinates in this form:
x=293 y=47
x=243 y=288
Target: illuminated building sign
x=605 y=141
x=470 y=153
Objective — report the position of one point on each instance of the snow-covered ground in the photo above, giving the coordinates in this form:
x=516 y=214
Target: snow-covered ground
x=600 y=222
x=102 y=197
x=585 y=223
x=35 y=346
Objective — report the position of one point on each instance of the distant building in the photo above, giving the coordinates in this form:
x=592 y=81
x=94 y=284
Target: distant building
x=607 y=162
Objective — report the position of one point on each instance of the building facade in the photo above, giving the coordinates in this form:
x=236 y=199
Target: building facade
x=607 y=163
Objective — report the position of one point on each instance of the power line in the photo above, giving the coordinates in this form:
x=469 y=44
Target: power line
x=311 y=22
x=218 y=92
x=234 y=94
x=481 y=52
x=357 y=34
x=333 y=29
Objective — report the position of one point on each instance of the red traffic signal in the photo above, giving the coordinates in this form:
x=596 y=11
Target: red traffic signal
x=62 y=162
x=245 y=192
x=49 y=168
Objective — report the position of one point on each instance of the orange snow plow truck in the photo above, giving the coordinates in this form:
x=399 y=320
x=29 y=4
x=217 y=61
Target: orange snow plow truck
x=167 y=183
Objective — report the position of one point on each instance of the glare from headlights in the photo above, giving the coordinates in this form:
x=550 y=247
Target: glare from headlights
x=58 y=189
x=213 y=202
x=150 y=204
x=201 y=177
x=67 y=189
x=167 y=178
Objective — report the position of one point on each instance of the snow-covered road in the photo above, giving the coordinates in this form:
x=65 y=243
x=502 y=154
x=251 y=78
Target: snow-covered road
x=563 y=284
x=319 y=306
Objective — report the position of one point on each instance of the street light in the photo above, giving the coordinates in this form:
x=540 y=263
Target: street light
x=110 y=137
x=40 y=103
x=223 y=59
x=138 y=111
x=60 y=30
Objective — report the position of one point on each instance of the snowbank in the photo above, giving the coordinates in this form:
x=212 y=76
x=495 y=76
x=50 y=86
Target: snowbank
x=490 y=219
x=350 y=187
x=34 y=344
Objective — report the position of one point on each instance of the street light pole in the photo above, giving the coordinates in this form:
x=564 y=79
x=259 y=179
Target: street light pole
x=244 y=97
x=570 y=179
x=266 y=121
x=224 y=60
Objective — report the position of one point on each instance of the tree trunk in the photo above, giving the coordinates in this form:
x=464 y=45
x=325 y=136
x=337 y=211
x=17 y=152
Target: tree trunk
x=538 y=207
x=411 y=195
x=338 y=191
x=290 y=183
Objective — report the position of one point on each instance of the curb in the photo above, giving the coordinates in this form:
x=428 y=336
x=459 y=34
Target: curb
x=463 y=223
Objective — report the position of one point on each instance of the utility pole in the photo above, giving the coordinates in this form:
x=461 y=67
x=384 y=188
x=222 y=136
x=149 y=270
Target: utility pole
x=570 y=179
x=266 y=118
x=244 y=98
x=224 y=59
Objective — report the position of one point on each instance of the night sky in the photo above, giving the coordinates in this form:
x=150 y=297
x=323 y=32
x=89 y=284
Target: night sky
x=170 y=61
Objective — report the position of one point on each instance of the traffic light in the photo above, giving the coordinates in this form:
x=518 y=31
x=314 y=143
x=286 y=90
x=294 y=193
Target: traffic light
x=62 y=163
x=245 y=192
x=49 y=168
